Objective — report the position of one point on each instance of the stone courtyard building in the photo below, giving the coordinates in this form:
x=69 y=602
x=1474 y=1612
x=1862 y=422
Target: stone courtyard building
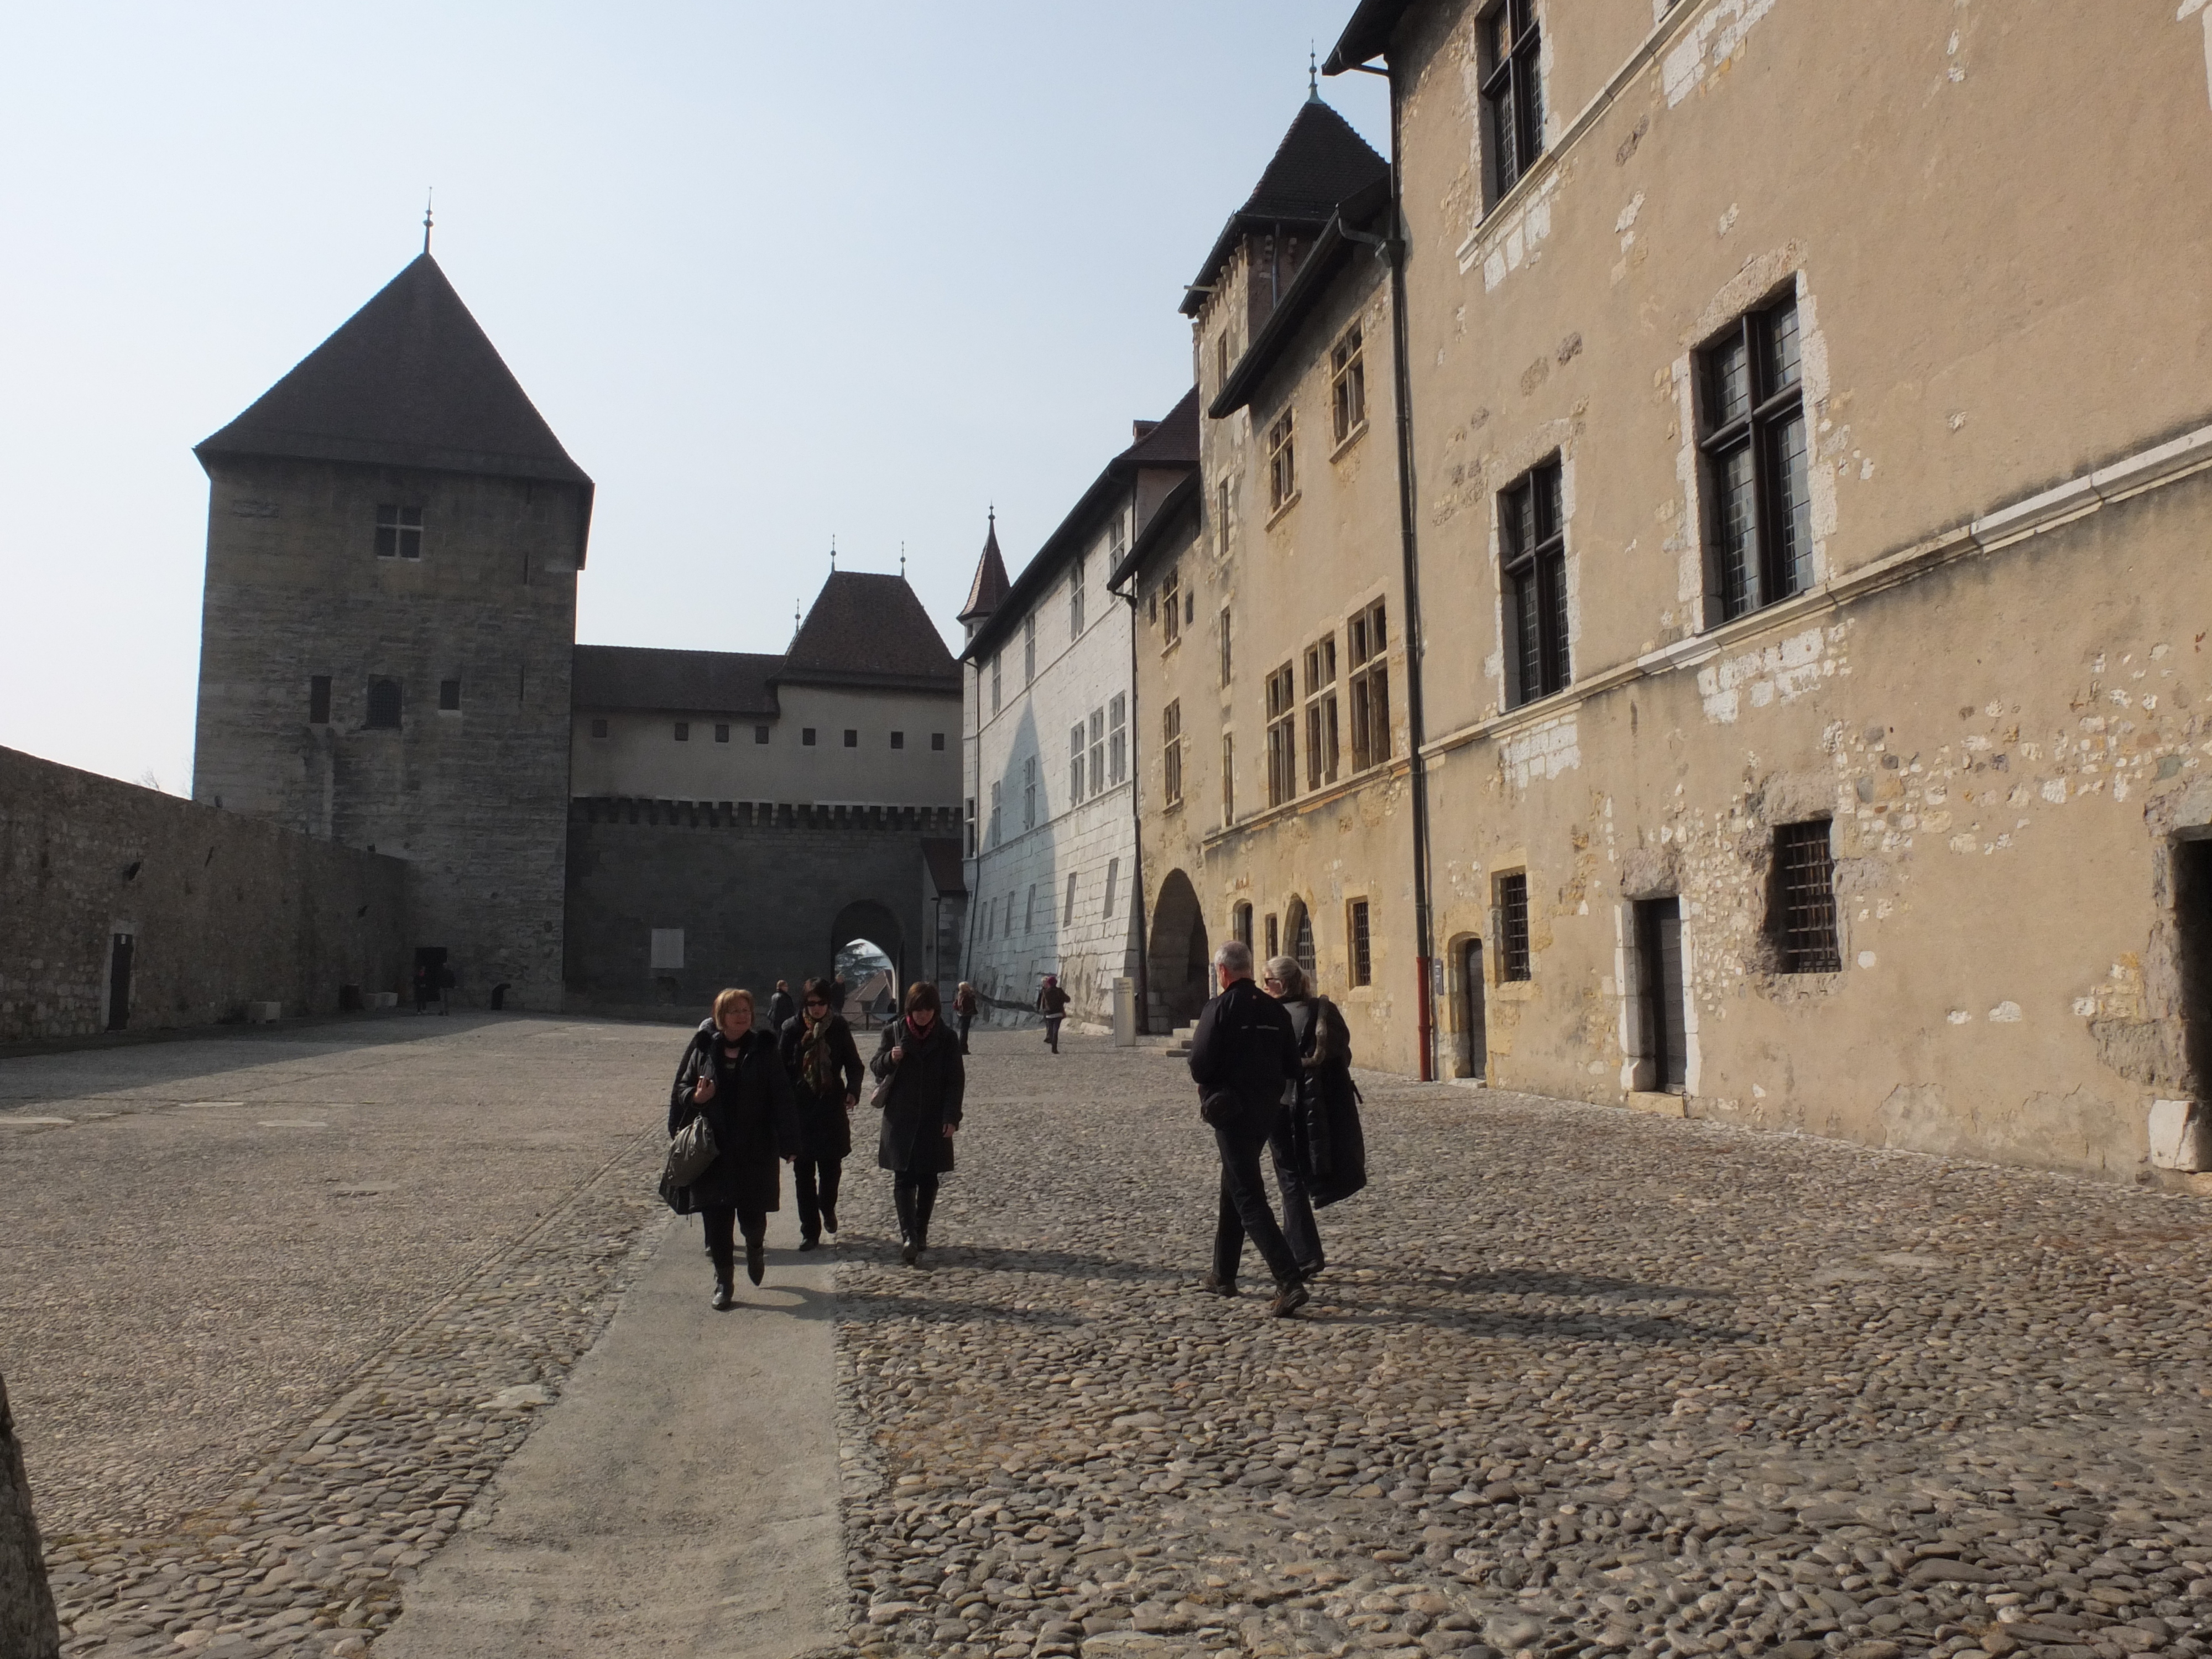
x=1813 y=469
x=1051 y=869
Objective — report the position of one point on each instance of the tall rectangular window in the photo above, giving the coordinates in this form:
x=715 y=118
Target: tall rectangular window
x=319 y=700
x=997 y=679
x=1029 y=910
x=1228 y=778
x=1171 y=752
x=1075 y=601
x=1802 y=905
x=1075 y=753
x=1274 y=935
x=1760 y=527
x=971 y=826
x=806 y=737
x=1225 y=514
x=1117 y=737
x=1097 y=750
x=1363 y=958
x=1029 y=649
x=1029 y=792
x=1368 y=640
x=399 y=532
x=852 y=737
x=997 y=821
x=1172 y=607
x=1282 y=460
x=1068 y=909
x=1347 y=384
x=1533 y=561
x=1282 y=735
x=898 y=739
x=936 y=742
x=1227 y=667
x=449 y=696
x=1512 y=92
x=1321 y=712
x=384 y=702
x=1113 y=876
x=1512 y=928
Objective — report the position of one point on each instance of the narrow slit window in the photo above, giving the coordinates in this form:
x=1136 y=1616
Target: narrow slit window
x=319 y=700
x=1171 y=753
x=449 y=696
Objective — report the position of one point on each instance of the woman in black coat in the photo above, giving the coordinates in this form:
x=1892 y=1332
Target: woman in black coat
x=921 y=1060
x=823 y=1064
x=1320 y=1153
x=734 y=1076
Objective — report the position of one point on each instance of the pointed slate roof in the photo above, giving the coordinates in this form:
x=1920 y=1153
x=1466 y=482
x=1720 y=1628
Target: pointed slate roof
x=869 y=630
x=410 y=380
x=1321 y=161
x=988 y=591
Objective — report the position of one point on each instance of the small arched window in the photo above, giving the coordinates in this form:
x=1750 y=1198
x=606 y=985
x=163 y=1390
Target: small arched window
x=384 y=705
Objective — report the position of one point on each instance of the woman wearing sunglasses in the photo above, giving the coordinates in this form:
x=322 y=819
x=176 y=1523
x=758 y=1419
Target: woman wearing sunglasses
x=824 y=1066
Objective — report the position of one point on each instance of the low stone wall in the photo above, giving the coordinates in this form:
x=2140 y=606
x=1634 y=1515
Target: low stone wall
x=222 y=911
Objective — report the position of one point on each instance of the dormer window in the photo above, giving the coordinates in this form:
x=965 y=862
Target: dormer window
x=399 y=532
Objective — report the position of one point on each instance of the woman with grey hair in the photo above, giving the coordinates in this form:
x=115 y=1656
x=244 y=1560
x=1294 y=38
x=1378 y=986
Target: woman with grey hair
x=1319 y=1153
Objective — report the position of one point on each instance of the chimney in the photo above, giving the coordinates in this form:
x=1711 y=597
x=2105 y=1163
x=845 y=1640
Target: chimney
x=1140 y=430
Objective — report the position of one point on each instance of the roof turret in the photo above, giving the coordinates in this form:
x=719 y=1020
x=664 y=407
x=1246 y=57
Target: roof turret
x=1320 y=162
x=988 y=591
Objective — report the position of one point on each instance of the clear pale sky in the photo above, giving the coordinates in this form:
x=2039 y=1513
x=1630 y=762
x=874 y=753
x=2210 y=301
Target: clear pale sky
x=771 y=272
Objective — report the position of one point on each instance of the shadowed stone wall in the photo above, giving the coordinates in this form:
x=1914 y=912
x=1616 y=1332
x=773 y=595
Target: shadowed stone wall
x=222 y=909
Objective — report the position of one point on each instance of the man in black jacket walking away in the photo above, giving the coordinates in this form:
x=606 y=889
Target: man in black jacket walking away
x=1244 y=1052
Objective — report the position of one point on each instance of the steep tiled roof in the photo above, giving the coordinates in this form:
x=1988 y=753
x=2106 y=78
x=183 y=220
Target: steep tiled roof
x=1172 y=442
x=988 y=591
x=410 y=380
x=619 y=677
x=1320 y=162
x=869 y=630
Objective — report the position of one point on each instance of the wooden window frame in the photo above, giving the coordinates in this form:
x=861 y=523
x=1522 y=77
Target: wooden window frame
x=1282 y=696
x=1283 y=461
x=1171 y=612
x=1324 y=756
x=1076 y=751
x=1117 y=737
x=1512 y=92
x=1029 y=649
x=1028 y=792
x=1532 y=565
x=1075 y=602
x=1367 y=638
x=1347 y=385
x=1098 y=784
x=1516 y=962
x=1171 y=753
x=1754 y=448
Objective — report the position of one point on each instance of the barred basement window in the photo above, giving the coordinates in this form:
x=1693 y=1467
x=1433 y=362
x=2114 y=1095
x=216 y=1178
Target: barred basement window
x=1513 y=925
x=1347 y=384
x=1362 y=961
x=1321 y=752
x=1371 y=689
x=398 y=532
x=1802 y=907
x=1282 y=735
x=319 y=700
x=1171 y=752
x=1533 y=559
x=383 y=706
x=1282 y=461
x=1512 y=92
x=1760 y=524
x=449 y=696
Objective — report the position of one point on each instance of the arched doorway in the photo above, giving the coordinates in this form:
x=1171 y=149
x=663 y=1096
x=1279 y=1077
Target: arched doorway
x=867 y=950
x=1176 y=977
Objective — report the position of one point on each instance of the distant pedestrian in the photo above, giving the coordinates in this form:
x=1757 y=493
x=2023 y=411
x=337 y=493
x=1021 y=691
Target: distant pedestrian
x=1052 y=1002
x=1243 y=1054
x=1320 y=1151
x=732 y=1075
x=966 y=1005
x=780 y=1008
x=823 y=1064
x=922 y=1082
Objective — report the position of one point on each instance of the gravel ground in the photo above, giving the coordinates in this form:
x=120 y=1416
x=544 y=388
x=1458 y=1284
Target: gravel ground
x=1576 y=1381
x=274 y=1308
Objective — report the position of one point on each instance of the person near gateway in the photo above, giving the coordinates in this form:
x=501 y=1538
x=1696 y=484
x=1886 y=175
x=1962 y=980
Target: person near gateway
x=1319 y=1154
x=1052 y=1002
x=732 y=1075
x=780 y=1008
x=823 y=1064
x=966 y=1005
x=921 y=1083
x=1242 y=1054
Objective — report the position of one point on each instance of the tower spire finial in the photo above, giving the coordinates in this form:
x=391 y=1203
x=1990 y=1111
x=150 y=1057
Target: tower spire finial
x=833 y=550
x=429 y=195
x=1313 y=74
x=901 y=560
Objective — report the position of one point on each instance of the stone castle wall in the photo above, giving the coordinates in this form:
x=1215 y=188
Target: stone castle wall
x=223 y=909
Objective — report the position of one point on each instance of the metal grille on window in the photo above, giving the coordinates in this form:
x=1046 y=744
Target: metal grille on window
x=1512 y=92
x=1363 y=964
x=1804 y=906
x=1513 y=962
x=1757 y=463
x=1282 y=735
x=1533 y=558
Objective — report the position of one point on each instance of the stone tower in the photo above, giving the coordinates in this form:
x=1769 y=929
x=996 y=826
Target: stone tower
x=393 y=538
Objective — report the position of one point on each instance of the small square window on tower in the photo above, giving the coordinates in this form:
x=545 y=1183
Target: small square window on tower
x=383 y=706
x=683 y=731
x=399 y=532
x=852 y=738
x=599 y=726
x=937 y=741
x=806 y=735
x=721 y=731
x=760 y=734
x=449 y=696
x=898 y=739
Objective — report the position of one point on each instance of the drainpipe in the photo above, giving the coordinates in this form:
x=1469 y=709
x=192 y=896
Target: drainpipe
x=1416 y=724
x=1136 y=817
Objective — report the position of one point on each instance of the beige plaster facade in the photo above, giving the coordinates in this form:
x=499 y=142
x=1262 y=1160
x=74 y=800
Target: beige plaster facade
x=1989 y=225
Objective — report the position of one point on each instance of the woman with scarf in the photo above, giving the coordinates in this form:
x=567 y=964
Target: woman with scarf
x=921 y=1082
x=823 y=1064
x=732 y=1076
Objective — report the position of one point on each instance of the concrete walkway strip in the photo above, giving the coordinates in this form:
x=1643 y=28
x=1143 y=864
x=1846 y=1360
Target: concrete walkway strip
x=681 y=1495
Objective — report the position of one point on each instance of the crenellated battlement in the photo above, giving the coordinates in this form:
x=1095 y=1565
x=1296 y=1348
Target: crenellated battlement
x=765 y=815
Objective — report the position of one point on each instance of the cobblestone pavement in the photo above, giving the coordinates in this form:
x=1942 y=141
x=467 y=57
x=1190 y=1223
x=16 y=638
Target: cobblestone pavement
x=274 y=1307
x=1576 y=1381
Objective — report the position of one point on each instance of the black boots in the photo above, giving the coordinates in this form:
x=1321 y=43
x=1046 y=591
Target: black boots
x=723 y=1300
x=755 y=1259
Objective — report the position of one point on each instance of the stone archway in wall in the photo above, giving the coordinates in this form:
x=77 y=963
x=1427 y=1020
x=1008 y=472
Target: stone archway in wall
x=875 y=923
x=1176 y=966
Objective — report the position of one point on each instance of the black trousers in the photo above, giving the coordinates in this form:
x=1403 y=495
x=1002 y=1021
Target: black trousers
x=966 y=1020
x=1244 y=1207
x=1052 y=1031
x=721 y=1221
x=817 y=1179
x=1299 y=1231
x=915 y=1195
